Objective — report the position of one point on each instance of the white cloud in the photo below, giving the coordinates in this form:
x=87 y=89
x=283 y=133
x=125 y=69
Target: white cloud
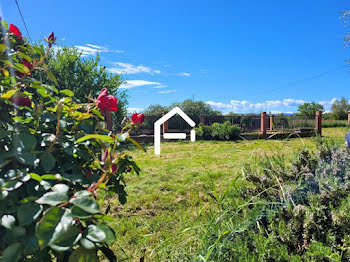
x=159 y=86
x=129 y=69
x=246 y=106
x=184 y=74
x=134 y=83
x=167 y=91
x=134 y=109
x=89 y=49
x=328 y=104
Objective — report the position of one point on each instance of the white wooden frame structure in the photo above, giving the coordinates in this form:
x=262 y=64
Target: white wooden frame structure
x=165 y=118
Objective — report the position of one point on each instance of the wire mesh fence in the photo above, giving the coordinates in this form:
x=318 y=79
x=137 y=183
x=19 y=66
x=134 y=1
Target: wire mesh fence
x=292 y=122
x=249 y=123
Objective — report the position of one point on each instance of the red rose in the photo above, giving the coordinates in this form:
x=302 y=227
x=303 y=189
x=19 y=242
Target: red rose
x=137 y=118
x=21 y=101
x=107 y=102
x=14 y=30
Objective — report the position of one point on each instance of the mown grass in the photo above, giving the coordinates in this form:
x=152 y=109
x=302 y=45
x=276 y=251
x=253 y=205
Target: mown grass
x=168 y=203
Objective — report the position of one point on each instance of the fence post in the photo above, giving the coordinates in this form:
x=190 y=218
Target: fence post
x=202 y=119
x=318 y=124
x=108 y=120
x=263 y=123
x=165 y=124
x=349 y=117
x=272 y=118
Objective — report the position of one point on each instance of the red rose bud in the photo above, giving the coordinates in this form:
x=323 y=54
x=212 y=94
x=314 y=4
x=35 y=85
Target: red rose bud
x=21 y=101
x=14 y=30
x=105 y=158
x=106 y=102
x=51 y=39
x=137 y=118
x=104 y=155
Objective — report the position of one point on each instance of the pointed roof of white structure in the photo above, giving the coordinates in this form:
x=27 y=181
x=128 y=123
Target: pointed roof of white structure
x=171 y=113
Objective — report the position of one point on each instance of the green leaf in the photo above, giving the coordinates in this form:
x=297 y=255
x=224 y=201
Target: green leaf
x=66 y=234
x=60 y=188
x=26 y=158
x=123 y=137
x=83 y=193
x=136 y=144
x=52 y=77
x=21 y=68
x=96 y=234
x=12 y=253
x=15 y=234
x=87 y=204
x=83 y=255
x=3 y=47
x=8 y=94
x=110 y=235
x=97 y=113
x=3 y=133
x=26 y=57
x=52 y=198
x=42 y=92
x=77 y=212
x=35 y=177
x=51 y=177
x=23 y=120
x=28 y=212
x=86 y=243
x=47 y=161
x=67 y=92
x=8 y=221
x=104 y=138
x=24 y=141
x=45 y=228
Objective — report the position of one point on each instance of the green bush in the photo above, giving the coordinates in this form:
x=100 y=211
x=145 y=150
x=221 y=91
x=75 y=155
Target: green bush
x=335 y=124
x=218 y=131
x=225 y=131
x=297 y=212
x=204 y=132
x=55 y=159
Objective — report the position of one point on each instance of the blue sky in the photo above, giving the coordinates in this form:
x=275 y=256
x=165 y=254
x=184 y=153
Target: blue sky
x=241 y=56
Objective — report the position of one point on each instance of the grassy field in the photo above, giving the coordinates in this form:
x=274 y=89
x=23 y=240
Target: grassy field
x=168 y=202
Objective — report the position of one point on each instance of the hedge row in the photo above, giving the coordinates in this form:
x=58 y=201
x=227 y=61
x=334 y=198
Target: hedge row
x=217 y=131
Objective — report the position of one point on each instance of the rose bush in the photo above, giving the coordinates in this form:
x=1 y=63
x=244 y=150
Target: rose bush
x=55 y=158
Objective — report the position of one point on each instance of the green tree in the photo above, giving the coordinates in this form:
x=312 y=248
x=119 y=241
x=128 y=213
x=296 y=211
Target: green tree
x=84 y=76
x=155 y=110
x=196 y=108
x=340 y=109
x=309 y=109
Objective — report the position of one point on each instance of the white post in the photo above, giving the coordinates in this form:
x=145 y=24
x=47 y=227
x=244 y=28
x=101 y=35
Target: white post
x=193 y=135
x=157 y=139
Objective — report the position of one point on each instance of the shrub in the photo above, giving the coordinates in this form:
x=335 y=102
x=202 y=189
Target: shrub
x=55 y=158
x=218 y=131
x=204 y=132
x=286 y=213
x=335 y=124
x=225 y=131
